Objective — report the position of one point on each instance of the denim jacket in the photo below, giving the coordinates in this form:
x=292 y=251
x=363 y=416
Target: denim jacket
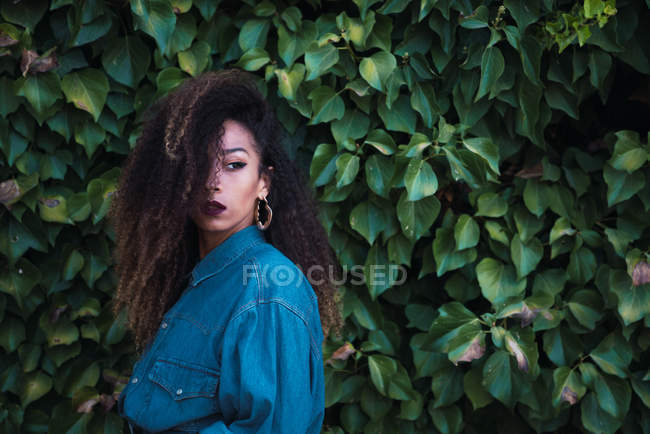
x=239 y=352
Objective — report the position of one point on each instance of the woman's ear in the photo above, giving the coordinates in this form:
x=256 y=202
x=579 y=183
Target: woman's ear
x=266 y=180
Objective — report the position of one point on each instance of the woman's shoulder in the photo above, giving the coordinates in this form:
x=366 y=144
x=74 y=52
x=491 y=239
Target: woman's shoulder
x=274 y=278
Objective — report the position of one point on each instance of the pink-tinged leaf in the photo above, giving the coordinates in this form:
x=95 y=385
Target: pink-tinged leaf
x=50 y=203
x=6 y=40
x=569 y=395
x=535 y=171
x=522 y=312
x=342 y=353
x=9 y=190
x=87 y=406
x=516 y=350
x=56 y=313
x=641 y=273
x=106 y=401
x=474 y=351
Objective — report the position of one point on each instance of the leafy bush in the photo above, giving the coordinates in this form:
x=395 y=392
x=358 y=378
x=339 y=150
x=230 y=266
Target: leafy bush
x=498 y=152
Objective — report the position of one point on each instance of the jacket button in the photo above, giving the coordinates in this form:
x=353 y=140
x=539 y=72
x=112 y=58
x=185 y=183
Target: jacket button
x=164 y=325
x=135 y=380
x=179 y=391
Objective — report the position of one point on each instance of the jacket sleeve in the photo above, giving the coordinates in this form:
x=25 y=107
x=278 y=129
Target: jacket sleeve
x=271 y=374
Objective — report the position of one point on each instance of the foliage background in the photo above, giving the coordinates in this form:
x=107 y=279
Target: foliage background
x=498 y=150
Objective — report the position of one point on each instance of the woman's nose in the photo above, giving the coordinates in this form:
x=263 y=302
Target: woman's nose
x=213 y=183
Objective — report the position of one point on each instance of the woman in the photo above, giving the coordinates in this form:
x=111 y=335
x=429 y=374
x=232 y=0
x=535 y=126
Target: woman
x=213 y=226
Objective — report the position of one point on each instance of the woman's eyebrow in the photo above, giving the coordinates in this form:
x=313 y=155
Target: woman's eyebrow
x=231 y=150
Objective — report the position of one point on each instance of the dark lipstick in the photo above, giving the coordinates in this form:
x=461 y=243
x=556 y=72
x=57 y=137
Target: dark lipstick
x=213 y=208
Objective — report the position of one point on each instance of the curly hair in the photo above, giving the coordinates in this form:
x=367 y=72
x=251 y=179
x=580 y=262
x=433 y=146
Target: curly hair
x=157 y=241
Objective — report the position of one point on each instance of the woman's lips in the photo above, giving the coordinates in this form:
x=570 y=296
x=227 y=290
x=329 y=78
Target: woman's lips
x=213 y=208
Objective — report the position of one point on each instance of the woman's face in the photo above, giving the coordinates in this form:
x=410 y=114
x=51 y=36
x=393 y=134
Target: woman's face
x=236 y=187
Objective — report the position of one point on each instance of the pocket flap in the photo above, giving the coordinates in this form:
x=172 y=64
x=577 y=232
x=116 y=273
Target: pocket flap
x=183 y=379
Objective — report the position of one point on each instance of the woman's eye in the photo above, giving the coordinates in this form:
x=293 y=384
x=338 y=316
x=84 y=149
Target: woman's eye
x=237 y=164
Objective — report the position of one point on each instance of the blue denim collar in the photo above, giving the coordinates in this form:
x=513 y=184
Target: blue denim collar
x=226 y=252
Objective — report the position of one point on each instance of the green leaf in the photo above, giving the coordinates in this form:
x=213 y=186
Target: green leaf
x=318 y=59
x=400 y=117
x=90 y=136
x=420 y=179
x=354 y=125
x=567 y=386
x=499 y=378
x=582 y=266
x=492 y=205
x=447 y=254
x=41 y=90
x=633 y=301
x=73 y=265
x=457 y=332
x=523 y=12
x=369 y=220
x=620 y=185
x=12 y=334
x=525 y=256
x=594 y=418
x=347 y=167
x=87 y=90
x=293 y=45
x=613 y=355
x=195 y=59
x=537 y=197
x=448 y=420
x=25 y=14
x=628 y=154
x=33 y=386
x=586 y=305
x=253 y=34
x=126 y=60
x=472 y=384
x=157 y=19
x=498 y=281
x=417 y=217
x=423 y=100
x=419 y=315
x=485 y=149
x=382 y=141
x=562 y=346
x=376 y=69
x=466 y=232
x=253 y=59
x=492 y=67
x=379 y=173
x=323 y=164
x=447 y=386
x=390 y=378
x=327 y=105
x=561 y=227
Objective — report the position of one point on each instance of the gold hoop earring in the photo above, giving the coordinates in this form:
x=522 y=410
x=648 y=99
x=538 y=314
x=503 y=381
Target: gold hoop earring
x=269 y=214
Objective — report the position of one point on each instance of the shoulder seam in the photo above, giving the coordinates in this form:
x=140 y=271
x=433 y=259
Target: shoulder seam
x=288 y=307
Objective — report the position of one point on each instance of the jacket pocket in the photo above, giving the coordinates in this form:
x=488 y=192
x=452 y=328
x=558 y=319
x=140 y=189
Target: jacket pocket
x=184 y=380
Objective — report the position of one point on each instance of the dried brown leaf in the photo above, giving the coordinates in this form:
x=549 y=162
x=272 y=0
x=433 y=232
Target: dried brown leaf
x=32 y=63
x=535 y=171
x=342 y=353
